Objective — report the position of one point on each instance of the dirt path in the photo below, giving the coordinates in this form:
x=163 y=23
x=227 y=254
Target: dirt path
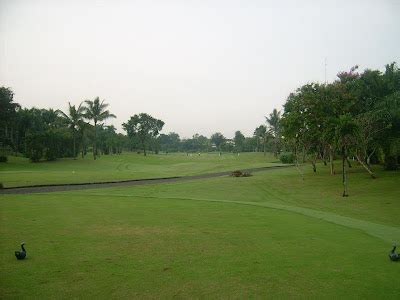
x=98 y=185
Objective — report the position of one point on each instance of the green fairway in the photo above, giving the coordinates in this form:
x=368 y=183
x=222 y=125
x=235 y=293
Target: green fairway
x=267 y=236
x=20 y=172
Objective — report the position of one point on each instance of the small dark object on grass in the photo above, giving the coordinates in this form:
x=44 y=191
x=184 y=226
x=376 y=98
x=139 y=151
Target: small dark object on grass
x=239 y=173
x=393 y=255
x=21 y=254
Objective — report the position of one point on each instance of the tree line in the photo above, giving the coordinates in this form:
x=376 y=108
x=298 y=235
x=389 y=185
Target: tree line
x=356 y=117
x=50 y=134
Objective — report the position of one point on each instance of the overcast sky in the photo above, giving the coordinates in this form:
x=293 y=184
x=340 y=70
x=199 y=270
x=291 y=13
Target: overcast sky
x=200 y=66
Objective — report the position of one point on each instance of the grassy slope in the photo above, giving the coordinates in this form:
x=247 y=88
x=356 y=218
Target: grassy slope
x=19 y=171
x=370 y=200
x=153 y=241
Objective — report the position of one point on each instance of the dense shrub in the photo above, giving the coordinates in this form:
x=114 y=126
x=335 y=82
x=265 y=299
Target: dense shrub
x=3 y=159
x=391 y=163
x=236 y=173
x=287 y=158
x=50 y=144
x=34 y=146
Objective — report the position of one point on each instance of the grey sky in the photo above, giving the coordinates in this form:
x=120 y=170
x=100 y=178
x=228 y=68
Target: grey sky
x=201 y=66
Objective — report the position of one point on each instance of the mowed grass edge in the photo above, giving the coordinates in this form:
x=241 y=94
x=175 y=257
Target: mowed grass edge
x=122 y=247
x=215 y=238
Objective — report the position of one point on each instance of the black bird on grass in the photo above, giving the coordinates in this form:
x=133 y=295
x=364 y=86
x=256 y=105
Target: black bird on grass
x=21 y=254
x=393 y=255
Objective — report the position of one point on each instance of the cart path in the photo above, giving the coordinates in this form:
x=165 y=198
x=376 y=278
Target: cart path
x=132 y=182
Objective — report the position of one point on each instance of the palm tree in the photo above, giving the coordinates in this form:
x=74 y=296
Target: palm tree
x=346 y=132
x=73 y=119
x=96 y=111
x=83 y=128
x=261 y=134
x=274 y=121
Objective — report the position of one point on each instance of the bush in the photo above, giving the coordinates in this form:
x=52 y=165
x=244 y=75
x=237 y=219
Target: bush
x=391 y=163
x=35 y=146
x=239 y=173
x=287 y=158
x=3 y=159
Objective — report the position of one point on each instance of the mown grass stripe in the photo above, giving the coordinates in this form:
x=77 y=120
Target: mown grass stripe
x=386 y=233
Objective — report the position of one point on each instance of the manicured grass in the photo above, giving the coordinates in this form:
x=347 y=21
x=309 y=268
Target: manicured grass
x=272 y=235
x=19 y=171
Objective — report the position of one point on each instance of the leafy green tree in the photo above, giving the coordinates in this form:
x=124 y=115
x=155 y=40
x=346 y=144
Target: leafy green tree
x=35 y=146
x=51 y=118
x=8 y=114
x=389 y=113
x=250 y=144
x=200 y=143
x=389 y=138
x=261 y=134
x=173 y=142
x=72 y=120
x=97 y=112
x=218 y=139
x=273 y=121
x=187 y=145
x=108 y=140
x=239 y=141
x=144 y=127
x=165 y=142
x=44 y=135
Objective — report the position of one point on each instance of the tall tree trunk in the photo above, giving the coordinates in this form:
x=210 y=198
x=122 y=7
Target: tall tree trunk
x=144 y=148
x=348 y=162
x=298 y=166
x=16 y=143
x=95 y=139
x=313 y=162
x=331 y=160
x=369 y=158
x=265 y=142
x=365 y=167
x=25 y=145
x=83 y=147
x=74 y=138
x=323 y=157
x=344 y=174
